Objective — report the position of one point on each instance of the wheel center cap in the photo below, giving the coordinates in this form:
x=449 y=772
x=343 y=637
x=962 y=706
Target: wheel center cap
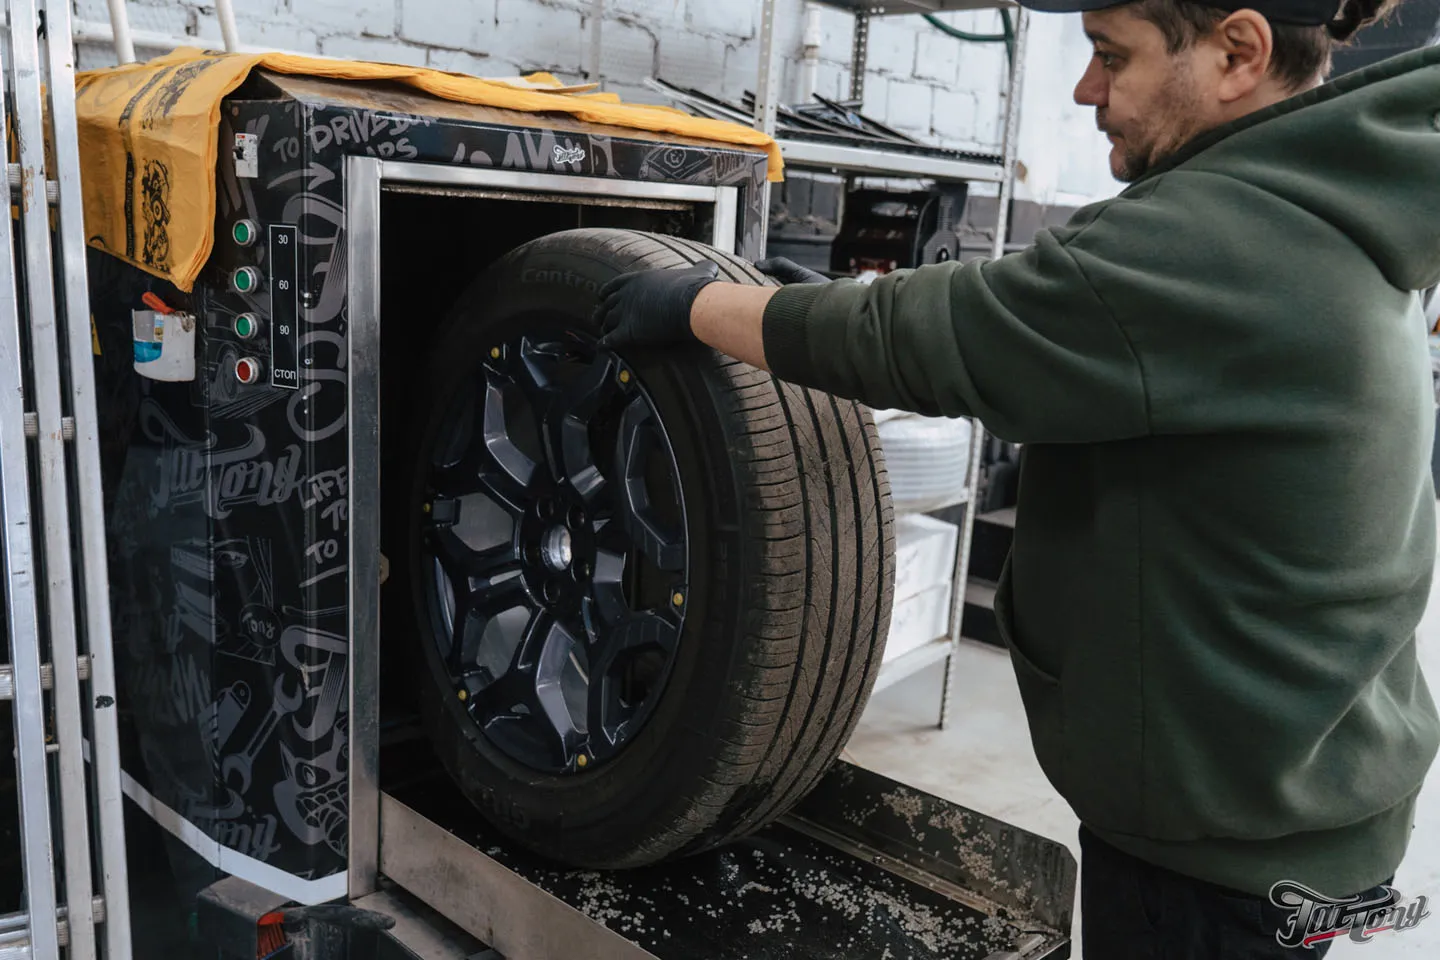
x=557 y=549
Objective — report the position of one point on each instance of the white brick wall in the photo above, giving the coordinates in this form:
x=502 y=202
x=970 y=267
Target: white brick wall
x=434 y=23
x=919 y=80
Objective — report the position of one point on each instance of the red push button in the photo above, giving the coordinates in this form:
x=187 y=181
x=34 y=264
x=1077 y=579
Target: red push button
x=247 y=370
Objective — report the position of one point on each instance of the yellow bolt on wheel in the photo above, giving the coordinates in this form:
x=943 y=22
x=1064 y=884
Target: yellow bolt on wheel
x=581 y=760
x=495 y=353
x=462 y=694
x=678 y=598
x=624 y=376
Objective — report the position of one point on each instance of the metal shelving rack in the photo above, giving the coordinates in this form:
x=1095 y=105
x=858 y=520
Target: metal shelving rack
x=879 y=162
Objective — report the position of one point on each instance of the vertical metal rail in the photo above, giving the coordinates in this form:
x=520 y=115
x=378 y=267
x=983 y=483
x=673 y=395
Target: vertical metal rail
x=95 y=580
x=767 y=101
x=120 y=26
x=597 y=29
x=362 y=376
x=860 y=55
x=229 y=32
x=1010 y=135
x=29 y=119
x=21 y=616
x=767 y=96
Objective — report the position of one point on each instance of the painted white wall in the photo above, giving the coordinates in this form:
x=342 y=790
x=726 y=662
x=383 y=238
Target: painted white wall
x=918 y=80
x=1064 y=155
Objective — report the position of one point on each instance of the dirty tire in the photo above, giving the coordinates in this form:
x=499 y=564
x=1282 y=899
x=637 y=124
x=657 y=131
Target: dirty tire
x=791 y=548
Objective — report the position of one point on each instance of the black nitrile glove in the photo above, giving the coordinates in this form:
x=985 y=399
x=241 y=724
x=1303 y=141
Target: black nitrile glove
x=652 y=307
x=788 y=271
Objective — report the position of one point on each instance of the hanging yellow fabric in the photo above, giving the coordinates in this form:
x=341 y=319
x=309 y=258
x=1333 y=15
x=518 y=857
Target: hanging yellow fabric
x=144 y=121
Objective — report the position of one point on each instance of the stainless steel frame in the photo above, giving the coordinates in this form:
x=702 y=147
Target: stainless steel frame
x=438 y=175
x=365 y=177
x=362 y=237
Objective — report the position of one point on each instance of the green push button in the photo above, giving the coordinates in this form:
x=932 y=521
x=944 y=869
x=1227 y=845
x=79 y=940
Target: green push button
x=244 y=232
x=246 y=325
x=245 y=279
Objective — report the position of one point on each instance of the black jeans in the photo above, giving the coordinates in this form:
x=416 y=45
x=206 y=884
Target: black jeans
x=1133 y=910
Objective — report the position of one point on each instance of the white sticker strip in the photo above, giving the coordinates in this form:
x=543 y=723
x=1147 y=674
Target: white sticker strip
x=298 y=889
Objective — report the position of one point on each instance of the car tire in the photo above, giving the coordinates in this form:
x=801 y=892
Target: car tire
x=789 y=573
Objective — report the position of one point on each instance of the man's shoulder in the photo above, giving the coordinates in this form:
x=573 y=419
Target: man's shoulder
x=1175 y=193
x=1186 y=217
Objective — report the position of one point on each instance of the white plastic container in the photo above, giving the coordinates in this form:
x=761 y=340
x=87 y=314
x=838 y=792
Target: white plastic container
x=924 y=565
x=164 y=345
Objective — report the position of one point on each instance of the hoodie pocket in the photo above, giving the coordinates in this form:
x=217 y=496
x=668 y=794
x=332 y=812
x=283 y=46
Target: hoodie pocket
x=1040 y=692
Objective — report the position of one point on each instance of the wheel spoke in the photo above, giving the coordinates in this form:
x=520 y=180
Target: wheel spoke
x=566 y=424
x=460 y=657
x=462 y=562
x=606 y=713
x=576 y=459
x=516 y=686
x=495 y=598
x=581 y=398
x=606 y=710
x=479 y=605
x=635 y=632
x=550 y=693
x=534 y=681
x=639 y=439
x=527 y=371
x=491 y=462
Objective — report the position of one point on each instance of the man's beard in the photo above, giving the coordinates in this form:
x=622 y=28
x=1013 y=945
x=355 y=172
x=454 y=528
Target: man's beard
x=1172 y=120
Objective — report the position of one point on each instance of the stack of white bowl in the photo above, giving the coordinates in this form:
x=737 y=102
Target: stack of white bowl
x=928 y=459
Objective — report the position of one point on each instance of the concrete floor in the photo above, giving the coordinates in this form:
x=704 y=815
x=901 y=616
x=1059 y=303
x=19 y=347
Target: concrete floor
x=985 y=761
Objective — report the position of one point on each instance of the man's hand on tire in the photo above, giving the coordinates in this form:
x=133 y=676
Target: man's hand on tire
x=788 y=271
x=652 y=307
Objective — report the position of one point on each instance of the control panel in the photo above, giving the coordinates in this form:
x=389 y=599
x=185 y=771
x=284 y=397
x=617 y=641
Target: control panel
x=280 y=330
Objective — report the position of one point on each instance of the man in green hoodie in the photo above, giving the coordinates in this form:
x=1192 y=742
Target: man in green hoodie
x=1226 y=523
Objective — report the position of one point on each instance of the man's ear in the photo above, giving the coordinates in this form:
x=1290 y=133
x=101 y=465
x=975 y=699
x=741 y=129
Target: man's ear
x=1245 y=42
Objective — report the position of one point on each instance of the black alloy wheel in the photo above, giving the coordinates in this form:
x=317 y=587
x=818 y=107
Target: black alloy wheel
x=649 y=598
x=554 y=531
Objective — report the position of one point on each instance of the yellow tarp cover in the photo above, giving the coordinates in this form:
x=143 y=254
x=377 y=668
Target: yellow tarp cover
x=160 y=118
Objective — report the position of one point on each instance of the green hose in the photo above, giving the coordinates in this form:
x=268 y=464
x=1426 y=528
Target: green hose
x=1007 y=38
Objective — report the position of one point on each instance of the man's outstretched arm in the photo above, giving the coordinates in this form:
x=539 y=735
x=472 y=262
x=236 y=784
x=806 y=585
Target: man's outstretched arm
x=1022 y=343
x=654 y=308
x=731 y=318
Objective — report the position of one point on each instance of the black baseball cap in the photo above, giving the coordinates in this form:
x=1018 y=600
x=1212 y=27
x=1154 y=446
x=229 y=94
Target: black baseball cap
x=1308 y=13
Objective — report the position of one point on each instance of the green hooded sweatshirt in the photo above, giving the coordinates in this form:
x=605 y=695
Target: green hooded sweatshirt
x=1226 y=523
